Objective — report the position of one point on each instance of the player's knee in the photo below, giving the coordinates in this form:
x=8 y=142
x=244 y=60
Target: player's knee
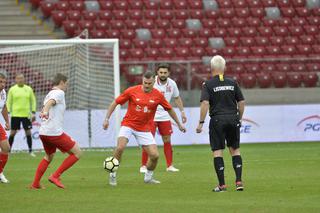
x=49 y=158
x=154 y=156
x=78 y=153
x=5 y=148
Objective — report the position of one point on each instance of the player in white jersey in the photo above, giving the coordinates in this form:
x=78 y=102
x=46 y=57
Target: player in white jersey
x=4 y=144
x=162 y=121
x=52 y=135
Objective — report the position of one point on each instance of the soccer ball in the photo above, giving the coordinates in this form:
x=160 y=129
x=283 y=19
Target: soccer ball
x=111 y=164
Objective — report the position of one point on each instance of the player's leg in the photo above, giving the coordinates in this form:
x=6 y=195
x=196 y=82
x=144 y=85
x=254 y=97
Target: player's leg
x=4 y=155
x=144 y=158
x=153 y=155
x=27 y=126
x=50 y=150
x=217 y=142
x=15 y=126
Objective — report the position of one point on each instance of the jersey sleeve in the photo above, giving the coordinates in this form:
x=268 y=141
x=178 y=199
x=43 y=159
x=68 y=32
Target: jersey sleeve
x=57 y=96
x=124 y=97
x=204 y=93
x=239 y=95
x=175 y=90
x=164 y=103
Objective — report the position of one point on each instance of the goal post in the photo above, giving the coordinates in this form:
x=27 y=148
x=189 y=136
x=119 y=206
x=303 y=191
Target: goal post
x=92 y=67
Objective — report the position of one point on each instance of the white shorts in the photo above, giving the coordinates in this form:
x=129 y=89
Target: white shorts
x=142 y=138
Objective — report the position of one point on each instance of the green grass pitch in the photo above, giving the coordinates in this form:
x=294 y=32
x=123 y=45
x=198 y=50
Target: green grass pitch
x=278 y=177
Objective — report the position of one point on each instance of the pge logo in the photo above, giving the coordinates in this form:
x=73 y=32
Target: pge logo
x=310 y=123
x=247 y=126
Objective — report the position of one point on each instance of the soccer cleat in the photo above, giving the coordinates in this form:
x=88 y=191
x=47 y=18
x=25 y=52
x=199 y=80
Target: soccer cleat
x=239 y=186
x=56 y=181
x=32 y=154
x=222 y=188
x=3 y=179
x=143 y=169
x=112 y=179
x=172 y=169
x=152 y=181
x=33 y=187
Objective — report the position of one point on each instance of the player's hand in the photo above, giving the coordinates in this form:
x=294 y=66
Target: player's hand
x=183 y=117
x=182 y=128
x=44 y=116
x=7 y=126
x=105 y=124
x=199 y=128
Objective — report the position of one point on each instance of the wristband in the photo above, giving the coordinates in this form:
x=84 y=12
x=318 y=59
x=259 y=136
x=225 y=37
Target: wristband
x=201 y=122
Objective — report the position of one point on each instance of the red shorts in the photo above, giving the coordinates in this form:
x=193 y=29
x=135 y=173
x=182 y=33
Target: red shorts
x=63 y=142
x=3 y=134
x=164 y=128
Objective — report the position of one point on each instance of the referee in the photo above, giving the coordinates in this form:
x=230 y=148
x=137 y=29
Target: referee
x=21 y=105
x=224 y=99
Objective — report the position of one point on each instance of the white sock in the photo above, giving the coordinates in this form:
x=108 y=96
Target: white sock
x=113 y=174
x=148 y=175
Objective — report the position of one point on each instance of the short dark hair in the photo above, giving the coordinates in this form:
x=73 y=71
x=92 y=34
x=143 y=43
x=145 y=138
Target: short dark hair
x=148 y=75
x=58 y=78
x=164 y=66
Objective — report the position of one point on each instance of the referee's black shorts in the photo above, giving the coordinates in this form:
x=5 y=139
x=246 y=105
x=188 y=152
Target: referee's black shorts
x=222 y=129
x=16 y=123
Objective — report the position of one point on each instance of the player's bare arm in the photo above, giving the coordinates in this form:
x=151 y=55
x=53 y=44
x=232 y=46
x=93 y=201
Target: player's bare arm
x=203 y=113
x=44 y=114
x=179 y=104
x=5 y=115
x=174 y=116
x=111 y=108
x=241 y=105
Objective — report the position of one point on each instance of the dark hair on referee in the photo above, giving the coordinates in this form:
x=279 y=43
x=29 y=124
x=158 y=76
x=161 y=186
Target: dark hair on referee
x=148 y=75
x=58 y=78
x=164 y=66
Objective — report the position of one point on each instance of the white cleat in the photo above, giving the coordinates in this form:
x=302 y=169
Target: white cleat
x=143 y=169
x=112 y=179
x=172 y=169
x=32 y=154
x=3 y=179
x=152 y=181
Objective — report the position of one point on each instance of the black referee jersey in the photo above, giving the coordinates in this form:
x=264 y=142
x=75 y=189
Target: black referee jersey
x=222 y=94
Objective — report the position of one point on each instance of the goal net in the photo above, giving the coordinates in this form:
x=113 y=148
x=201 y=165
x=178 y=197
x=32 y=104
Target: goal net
x=92 y=67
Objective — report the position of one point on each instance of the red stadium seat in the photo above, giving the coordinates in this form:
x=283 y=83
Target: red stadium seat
x=234 y=32
x=140 y=43
x=185 y=42
x=136 y=4
x=311 y=30
x=117 y=24
x=276 y=40
x=208 y=23
x=252 y=67
x=227 y=13
x=299 y=21
x=283 y=3
x=268 y=3
x=280 y=31
x=136 y=54
x=316 y=11
x=77 y=5
x=146 y=23
x=257 y=12
x=151 y=5
x=105 y=15
x=62 y=5
x=150 y=14
x=178 y=23
x=166 y=53
x=106 y=5
x=182 y=52
x=120 y=14
x=231 y=41
x=303 y=12
x=264 y=80
x=163 y=23
x=243 y=51
x=253 y=22
x=201 y=42
x=127 y=34
x=125 y=44
x=288 y=12
x=136 y=14
x=313 y=20
x=58 y=17
x=121 y=5
x=283 y=67
x=273 y=50
x=313 y=67
x=247 y=41
x=97 y=34
x=304 y=49
x=158 y=33
x=152 y=53
x=258 y=50
x=239 y=3
x=299 y=3
x=180 y=4
x=124 y=54
x=189 y=33
x=70 y=27
x=132 y=24
x=243 y=12
x=267 y=67
x=310 y=79
x=101 y=24
x=262 y=41
x=316 y=49
x=224 y=3
x=196 y=14
x=170 y=42
x=294 y=80
x=205 y=32
x=195 y=4
x=248 y=80
x=197 y=51
x=254 y=3
x=288 y=49
x=298 y=67
x=269 y=22
x=174 y=33
x=296 y=31
x=285 y=22
x=86 y=24
x=279 y=79
x=113 y=33
x=239 y=22
x=228 y=52
x=181 y=14
x=89 y=15
x=156 y=43
x=236 y=67
x=47 y=8
x=265 y=31
x=166 y=4
x=307 y=39
x=212 y=14
x=212 y=51
x=234 y=76
x=249 y=31
x=166 y=14
x=74 y=15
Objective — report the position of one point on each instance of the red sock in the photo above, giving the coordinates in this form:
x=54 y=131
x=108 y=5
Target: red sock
x=42 y=167
x=3 y=161
x=66 y=164
x=167 y=148
x=144 y=158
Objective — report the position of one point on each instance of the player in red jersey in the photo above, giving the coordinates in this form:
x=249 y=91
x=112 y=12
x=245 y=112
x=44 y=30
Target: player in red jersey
x=143 y=101
x=4 y=144
x=52 y=135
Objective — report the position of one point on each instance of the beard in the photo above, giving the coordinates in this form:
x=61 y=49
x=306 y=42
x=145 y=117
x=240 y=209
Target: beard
x=163 y=79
